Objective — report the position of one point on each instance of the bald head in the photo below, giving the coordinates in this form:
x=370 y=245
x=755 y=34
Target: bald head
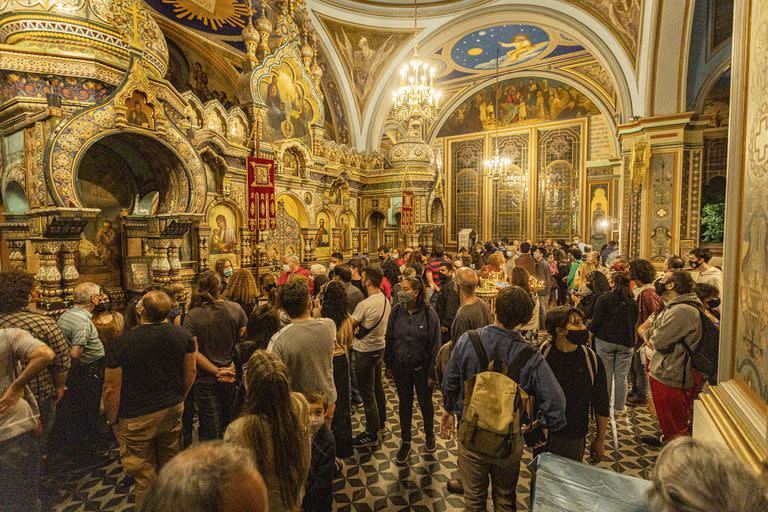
x=467 y=279
x=156 y=306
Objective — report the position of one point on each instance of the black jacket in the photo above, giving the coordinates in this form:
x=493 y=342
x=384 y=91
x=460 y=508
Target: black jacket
x=412 y=340
x=319 y=494
x=391 y=270
x=448 y=302
x=614 y=319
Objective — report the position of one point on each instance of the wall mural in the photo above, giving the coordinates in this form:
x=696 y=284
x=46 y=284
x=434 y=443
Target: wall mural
x=521 y=100
x=600 y=213
x=717 y=103
x=334 y=110
x=515 y=44
x=188 y=70
x=622 y=16
x=31 y=85
x=346 y=223
x=223 y=223
x=365 y=53
x=290 y=112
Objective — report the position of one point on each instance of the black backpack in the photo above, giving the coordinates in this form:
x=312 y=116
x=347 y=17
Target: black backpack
x=704 y=358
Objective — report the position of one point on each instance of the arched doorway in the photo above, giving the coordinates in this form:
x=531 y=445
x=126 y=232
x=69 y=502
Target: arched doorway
x=376 y=224
x=124 y=174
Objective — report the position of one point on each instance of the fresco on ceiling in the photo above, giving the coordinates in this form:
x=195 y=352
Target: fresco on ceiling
x=190 y=71
x=290 y=113
x=514 y=44
x=717 y=102
x=222 y=17
x=521 y=100
x=335 y=119
x=32 y=85
x=365 y=53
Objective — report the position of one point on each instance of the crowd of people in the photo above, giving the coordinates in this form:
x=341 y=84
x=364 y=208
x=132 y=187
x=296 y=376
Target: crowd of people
x=241 y=396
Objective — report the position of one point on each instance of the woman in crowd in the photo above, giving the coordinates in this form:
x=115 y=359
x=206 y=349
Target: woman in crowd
x=275 y=426
x=530 y=331
x=241 y=289
x=613 y=327
x=412 y=342
x=563 y=269
x=109 y=323
x=180 y=296
x=589 y=265
x=596 y=285
x=416 y=263
x=575 y=264
x=267 y=289
x=334 y=305
x=495 y=264
x=223 y=268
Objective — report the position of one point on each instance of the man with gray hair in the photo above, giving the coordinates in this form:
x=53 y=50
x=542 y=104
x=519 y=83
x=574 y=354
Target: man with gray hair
x=80 y=404
x=292 y=267
x=209 y=477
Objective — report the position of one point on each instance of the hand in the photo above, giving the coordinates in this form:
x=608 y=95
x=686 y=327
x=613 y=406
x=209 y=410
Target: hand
x=9 y=398
x=59 y=394
x=447 y=424
x=597 y=451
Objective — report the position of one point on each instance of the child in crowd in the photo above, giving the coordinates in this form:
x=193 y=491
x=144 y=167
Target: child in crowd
x=319 y=494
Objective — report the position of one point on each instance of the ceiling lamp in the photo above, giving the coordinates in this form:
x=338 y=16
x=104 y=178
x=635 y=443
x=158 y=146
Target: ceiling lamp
x=416 y=100
x=498 y=166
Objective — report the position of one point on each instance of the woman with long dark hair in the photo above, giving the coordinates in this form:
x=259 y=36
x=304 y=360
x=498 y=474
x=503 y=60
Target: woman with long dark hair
x=613 y=326
x=275 y=427
x=530 y=330
x=334 y=305
x=412 y=341
x=241 y=288
x=596 y=285
x=223 y=268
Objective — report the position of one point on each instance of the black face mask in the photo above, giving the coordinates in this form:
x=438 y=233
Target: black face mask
x=101 y=307
x=714 y=303
x=660 y=287
x=580 y=337
x=382 y=258
x=694 y=264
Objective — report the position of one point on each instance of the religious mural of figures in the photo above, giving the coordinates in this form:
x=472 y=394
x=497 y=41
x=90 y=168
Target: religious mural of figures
x=717 y=103
x=514 y=44
x=139 y=113
x=345 y=234
x=520 y=100
x=599 y=219
x=223 y=225
x=322 y=238
x=290 y=113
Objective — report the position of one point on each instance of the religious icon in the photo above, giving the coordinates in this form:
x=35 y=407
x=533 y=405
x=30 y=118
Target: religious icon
x=344 y=235
x=139 y=113
x=223 y=236
x=108 y=245
x=364 y=61
x=321 y=236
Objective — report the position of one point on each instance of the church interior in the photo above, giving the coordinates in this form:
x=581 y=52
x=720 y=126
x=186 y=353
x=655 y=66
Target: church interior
x=147 y=143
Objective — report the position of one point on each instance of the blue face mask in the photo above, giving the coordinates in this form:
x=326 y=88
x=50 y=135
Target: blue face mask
x=580 y=337
x=227 y=272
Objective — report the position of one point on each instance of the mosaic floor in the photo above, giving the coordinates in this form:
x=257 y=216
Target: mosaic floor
x=371 y=480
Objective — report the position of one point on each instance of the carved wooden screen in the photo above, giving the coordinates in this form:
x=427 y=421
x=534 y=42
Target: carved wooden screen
x=466 y=165
x=510 y=193
x=559 y=168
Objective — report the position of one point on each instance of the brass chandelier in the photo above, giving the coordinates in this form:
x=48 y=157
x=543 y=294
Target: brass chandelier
x=498 y=166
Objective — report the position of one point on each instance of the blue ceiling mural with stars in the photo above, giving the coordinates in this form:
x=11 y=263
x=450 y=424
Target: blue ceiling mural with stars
x=513 y=44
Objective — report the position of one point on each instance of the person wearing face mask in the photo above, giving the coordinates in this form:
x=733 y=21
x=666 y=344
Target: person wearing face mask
x=389 y=266
x=224 y=270
x=412 y=341
x=319 y=494
x=708 y=274
x=581 y=374
x=672 y=379
x=710 y=298
x=292 y=267
x=108 y=323
x=448 y=300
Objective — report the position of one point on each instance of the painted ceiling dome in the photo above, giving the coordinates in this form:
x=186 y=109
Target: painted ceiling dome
x=105 y=30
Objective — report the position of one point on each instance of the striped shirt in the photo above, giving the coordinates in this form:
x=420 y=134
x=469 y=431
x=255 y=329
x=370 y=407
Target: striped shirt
x=78 y=329
x=44 y=329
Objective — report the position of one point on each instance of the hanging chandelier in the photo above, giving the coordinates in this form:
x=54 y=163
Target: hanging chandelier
x=498 y=166
x=416 y=100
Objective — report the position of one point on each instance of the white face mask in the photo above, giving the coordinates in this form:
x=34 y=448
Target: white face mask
x=331 y=266
x=286 y=267
x=316 y=422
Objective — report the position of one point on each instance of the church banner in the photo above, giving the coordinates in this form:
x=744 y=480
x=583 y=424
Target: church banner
x=406 y=213
x=262 y=208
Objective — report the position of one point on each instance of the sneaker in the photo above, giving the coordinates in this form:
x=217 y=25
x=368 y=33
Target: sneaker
x=402 y=454
x=366 y=440
x=455 y=486
x=430 y=446
x=637 y=400
x=656 y=441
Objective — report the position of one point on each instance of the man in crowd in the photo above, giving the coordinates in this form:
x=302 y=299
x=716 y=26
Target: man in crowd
x=292 y=267
x=336 y=259
x=525 y=259
x=448 y=300
x=513 y=307
x=149 y=372
x=578 y=243
x=371 y=317
x=19 y=450
x=544 y=275
x=708 y=274
x=433 y=268
x=209 y=476
x=613 y=246
x=306 y=344
x=357 y=279
x=671 y=376
x=76 y=423
x=47 y=386
x=389 y=266
x=354 y=295
x=648 y=302
x=673 y=263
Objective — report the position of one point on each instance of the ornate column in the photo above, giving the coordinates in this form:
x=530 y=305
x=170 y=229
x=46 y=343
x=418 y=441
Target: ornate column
x=427 y=232
x=202 y=251
x=69 y=273
x=49 y=275
x=307 y=251
x=17 y=255
x=174 y=263
x=161 y=266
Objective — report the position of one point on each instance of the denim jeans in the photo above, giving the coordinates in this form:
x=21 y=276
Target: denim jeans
x=368 y=367
x=639 y=376
x=616 y=359
x=214 y=408
x=406 y=380
x=20 y=470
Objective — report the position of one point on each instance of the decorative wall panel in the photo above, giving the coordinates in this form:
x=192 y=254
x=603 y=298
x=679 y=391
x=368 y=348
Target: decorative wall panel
x=466 y=166
x=559 y=169
x=510 y=193
x=715 y=158
x=662 y=183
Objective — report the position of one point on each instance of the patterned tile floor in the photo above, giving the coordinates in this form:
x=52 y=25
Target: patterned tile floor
x=371 y=480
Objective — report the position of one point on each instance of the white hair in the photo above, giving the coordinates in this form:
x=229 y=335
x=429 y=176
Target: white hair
x=695 y=476
x=292 y=257
x=84 y=291
x=317 y=270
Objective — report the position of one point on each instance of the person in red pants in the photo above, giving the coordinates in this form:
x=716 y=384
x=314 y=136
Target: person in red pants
x=673 y=381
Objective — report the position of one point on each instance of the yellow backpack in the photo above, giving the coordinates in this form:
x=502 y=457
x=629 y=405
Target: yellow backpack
x=493 y=402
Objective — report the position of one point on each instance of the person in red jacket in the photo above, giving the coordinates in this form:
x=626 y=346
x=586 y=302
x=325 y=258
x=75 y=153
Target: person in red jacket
x=292 y=267
x=643 y=275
